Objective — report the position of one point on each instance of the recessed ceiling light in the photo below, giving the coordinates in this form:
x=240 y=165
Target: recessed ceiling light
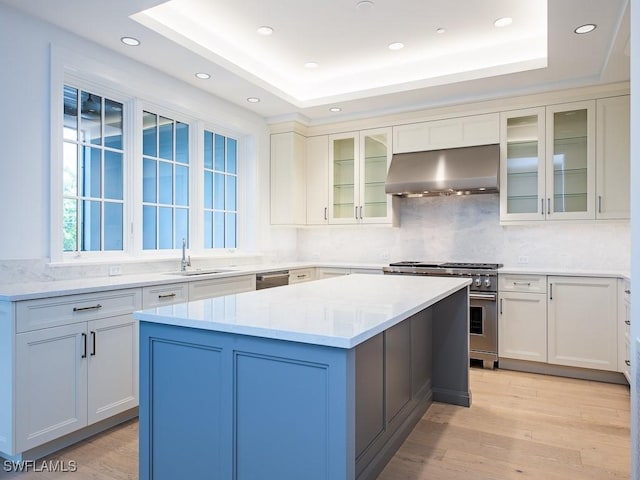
x=503 y=22
x=203 y=75
x=335 y=109
x=440 y=30
x=132 y=42
x=364 y=5
x=311 y=65
x=253 y=99
x=396 y=46
x=265 y=30
x=589 y=27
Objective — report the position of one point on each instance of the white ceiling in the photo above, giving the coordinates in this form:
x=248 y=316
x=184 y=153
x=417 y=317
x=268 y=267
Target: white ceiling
x=472 y=60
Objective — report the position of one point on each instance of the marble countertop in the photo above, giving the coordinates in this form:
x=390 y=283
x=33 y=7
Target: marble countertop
x=338 y=312
x=32 y=290
x=526 y=270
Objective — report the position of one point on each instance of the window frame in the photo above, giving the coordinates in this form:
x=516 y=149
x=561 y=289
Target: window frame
x=68 y=69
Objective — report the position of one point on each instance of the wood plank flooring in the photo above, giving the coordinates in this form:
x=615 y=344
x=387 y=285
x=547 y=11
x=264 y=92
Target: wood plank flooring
x=520 y=426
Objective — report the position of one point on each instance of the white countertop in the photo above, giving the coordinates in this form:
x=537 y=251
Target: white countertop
x=337 y=312
x=14 y=292
x=526 y=270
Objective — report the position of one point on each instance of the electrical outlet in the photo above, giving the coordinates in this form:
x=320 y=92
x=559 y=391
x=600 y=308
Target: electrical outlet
x=384 y=256
x=523 y=259
x=115 y=270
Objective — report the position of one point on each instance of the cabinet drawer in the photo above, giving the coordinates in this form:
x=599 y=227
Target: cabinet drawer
x=159 y=295
x=302 y=275
x=522 y=283
x=218 y=287
x=51 y=312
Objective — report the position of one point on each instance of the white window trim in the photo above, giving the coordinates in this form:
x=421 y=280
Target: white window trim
x=72 y=68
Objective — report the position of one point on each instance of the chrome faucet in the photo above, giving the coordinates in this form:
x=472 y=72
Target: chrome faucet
x=186 y=261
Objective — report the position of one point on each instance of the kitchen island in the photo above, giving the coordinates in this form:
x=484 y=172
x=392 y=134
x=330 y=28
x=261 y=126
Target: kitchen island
x=321 y=380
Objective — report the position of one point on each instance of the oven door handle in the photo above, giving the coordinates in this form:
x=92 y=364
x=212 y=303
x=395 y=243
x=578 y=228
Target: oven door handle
x=483 y=296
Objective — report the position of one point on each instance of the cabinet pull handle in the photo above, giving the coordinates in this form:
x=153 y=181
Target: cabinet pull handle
x=548 y=206
x=551 y=291
x=84 y=309
x=599 y=203
x=526 y=284
x=93 y=344
x=627 y=322
x=542 y=206
x=325 y=213
x=301 y=276
x=501 y=306
x=167 y=295
x=628 y=292
x=360 y=212
x=84 y=346
x=628 y=363
x=355 y=212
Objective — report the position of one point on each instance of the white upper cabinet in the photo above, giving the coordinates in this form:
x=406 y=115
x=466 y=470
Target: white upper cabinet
x=288 y=177
x=612 y=158
x=522 y=165
x=358 y=164
x=571 y=161
x=318 y=180
x=450 y=133
x=547 y=163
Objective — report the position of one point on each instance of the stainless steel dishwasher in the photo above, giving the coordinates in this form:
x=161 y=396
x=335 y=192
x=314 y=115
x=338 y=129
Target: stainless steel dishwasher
x=272 y=279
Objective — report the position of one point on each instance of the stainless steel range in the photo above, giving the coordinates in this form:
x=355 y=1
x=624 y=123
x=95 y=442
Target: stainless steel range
x=483 y=300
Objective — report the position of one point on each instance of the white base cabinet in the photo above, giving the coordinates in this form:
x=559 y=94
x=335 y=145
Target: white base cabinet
x=76 y=363
x=523 y=326
x=582 y=322
x=559 y=320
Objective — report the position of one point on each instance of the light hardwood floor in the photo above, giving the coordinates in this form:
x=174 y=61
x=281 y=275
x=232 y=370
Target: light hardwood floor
x=520 y=426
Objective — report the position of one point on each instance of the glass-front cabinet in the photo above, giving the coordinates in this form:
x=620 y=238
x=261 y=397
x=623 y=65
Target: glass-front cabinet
x=358 y=169
x=571 y=160
x=547 y=164
x=522 y=165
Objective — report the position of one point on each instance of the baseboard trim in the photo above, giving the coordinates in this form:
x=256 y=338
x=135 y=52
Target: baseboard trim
x=74 y=437
x=562 y=371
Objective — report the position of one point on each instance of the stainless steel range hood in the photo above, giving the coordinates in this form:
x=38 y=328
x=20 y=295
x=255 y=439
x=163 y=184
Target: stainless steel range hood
x=452 y=171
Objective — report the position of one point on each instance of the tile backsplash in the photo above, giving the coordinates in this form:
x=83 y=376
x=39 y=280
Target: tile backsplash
x=468 y=228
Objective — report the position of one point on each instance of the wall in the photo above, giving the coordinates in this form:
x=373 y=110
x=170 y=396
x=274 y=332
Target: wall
x=25 y=83
x=468 y=229
x=635 y=235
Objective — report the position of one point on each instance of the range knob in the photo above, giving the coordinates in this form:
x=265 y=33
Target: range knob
x=477 y=282
x=487 y=281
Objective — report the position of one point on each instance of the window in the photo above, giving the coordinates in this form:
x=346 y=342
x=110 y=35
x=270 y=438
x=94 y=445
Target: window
x=165 y=188
x=93 y=182
x=220 y=191
x=111 y=199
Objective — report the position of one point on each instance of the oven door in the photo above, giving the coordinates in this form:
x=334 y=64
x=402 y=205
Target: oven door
x=483 y=323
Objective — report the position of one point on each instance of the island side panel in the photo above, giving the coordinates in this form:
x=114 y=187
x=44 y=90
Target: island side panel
x=281 y=409
x=450 y=379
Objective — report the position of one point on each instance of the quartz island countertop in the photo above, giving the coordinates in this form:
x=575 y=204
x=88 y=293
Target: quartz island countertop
x=338 y=312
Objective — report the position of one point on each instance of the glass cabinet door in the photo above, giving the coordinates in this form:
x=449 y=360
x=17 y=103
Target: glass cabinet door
x=344 y=174
x=571 y=160
x=522 y=176
x=375 y=150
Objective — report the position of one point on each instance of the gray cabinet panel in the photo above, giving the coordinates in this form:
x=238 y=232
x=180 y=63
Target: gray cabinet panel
x=369 y=392
x=421 y=334
x=398 y=368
